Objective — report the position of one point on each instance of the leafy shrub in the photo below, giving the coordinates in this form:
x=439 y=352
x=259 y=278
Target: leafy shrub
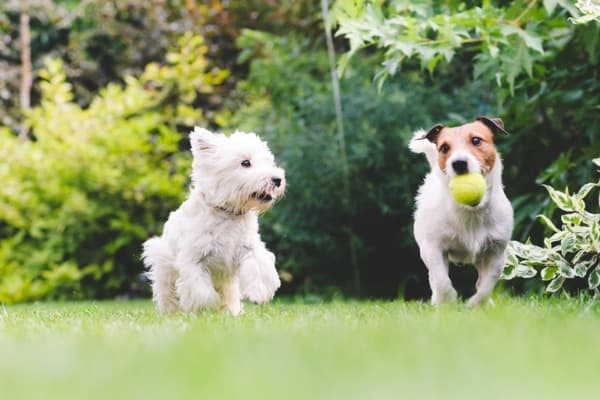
x=77 y=201
x=546 y=73
x=572 y=251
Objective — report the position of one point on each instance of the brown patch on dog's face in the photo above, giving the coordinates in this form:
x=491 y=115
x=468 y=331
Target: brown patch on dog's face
x=474 y=137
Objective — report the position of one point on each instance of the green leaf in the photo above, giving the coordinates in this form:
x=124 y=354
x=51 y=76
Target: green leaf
x=581 y=269
x=530 y=39
x=524 y=271
x=511 y=258
x=555 y=284
x=549 y=273
x=578 y=256
x=578 y=204
x=565 y=270
x=342 y=63
x=568 y=244
x=509 y=272
x=546 y=221
x=516 y=58
x=493 y=49
x=586 y=189
x=558 y=236
x=594 y=278
x=550 y=5
x=572 y=219
x=562 y=200
x=595 y=234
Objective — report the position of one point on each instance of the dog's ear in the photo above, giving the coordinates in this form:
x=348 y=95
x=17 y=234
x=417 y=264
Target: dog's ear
x=495 y=124
x=202 y=140
x=433 y=133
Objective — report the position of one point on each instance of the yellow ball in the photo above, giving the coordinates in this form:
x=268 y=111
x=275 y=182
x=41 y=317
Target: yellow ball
x=468 y=189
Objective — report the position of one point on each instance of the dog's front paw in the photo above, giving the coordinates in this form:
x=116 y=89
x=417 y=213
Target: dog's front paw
x=448 y=295
x=260 y=290
x=479 y=300
x=235 y=308
x=258 y=277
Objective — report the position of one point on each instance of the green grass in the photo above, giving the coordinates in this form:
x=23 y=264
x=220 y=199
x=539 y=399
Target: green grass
x=517 y=349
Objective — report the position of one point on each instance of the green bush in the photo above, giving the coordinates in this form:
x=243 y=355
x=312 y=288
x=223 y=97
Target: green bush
x=77 y=201
x=573 y=250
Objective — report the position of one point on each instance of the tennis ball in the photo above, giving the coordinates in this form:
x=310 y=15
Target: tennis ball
x=468 y=189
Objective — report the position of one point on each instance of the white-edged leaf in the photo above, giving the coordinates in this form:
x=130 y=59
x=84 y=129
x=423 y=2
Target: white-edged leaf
x=549 y=273
x=578 y=256
x=595 y=233
x=565 y=270
x=546 y=221
x=555 y=284
x=594 y=278
x=558 y=236
x=509 y=272
x=524 y=271
x=537 y=254
x=578 y=204
x=511 y=258
x=586 y=189
x=562 y=200
x=518 y=248
x=572 y=219
x=581 y=269
x=568 y=244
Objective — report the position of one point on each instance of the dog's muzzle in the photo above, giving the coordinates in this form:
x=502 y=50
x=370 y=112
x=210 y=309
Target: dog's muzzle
x=460 y=166
x=263 y=197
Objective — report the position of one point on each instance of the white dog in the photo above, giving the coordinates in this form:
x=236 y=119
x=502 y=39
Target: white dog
x=448 y=231
x=210 y=252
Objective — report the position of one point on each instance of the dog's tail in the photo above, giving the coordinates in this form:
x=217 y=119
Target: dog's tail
x=157 y=255
x=418 y=144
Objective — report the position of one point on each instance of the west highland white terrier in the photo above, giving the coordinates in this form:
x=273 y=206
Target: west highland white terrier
x=210 y=253
x=448 y=231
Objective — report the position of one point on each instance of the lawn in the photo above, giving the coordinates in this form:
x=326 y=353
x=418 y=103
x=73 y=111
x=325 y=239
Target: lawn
x=517 y=349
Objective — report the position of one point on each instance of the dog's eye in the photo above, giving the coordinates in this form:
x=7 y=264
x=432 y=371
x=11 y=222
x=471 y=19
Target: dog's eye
x=444 y=148
x=476 y=141
x=246 y=164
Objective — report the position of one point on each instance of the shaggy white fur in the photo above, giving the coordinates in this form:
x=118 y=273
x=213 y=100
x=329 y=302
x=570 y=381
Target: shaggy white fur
x=210 y=253
x=447 y=231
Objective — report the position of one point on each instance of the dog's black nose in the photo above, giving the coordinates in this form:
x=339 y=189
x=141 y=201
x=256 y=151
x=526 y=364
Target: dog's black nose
x=276 y=181
x=460 y=166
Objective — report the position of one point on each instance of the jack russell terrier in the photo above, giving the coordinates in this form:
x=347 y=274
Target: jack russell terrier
x=447 y=231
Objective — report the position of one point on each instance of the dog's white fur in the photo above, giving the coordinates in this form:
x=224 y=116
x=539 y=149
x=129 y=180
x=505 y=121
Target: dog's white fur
x=447 y=231
x=210 y=253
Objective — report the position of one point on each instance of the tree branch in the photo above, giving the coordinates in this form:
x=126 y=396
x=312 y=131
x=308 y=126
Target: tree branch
x=26 y=69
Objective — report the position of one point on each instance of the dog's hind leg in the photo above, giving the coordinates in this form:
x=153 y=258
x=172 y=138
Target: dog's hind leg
x=194 y=286
x=489 y=270
x=158 y=260
x=163 y=289
x=436 y=262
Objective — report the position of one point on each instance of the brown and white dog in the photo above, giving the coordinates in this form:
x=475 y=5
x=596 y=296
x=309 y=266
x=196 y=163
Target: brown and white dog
x=447 y=231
